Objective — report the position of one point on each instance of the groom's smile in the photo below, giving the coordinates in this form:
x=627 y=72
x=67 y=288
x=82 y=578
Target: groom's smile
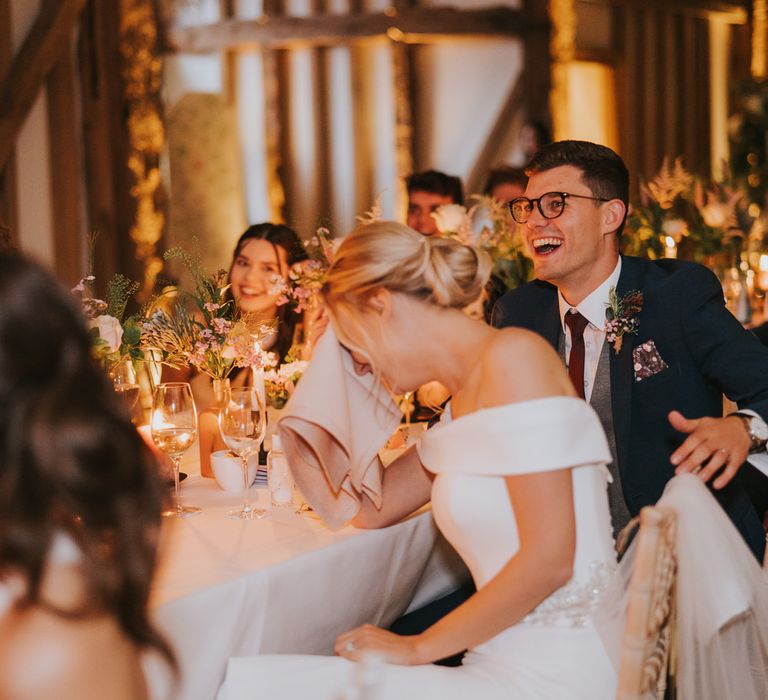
x=570 y=250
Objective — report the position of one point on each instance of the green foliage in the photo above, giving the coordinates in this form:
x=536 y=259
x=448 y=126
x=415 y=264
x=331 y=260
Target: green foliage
x=119 y=291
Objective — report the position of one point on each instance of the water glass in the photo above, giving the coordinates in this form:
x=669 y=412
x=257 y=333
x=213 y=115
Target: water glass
x=242 y=424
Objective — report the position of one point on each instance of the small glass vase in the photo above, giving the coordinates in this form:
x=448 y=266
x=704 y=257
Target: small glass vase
x=222 y=390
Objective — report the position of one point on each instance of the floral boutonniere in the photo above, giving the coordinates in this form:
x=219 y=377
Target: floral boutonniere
x=621 y=316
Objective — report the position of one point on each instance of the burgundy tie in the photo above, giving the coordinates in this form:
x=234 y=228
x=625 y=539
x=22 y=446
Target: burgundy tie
x=577 y=323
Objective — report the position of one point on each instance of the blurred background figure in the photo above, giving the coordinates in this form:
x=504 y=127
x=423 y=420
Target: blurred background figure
x=505 y=183
x=427 y=191
x=80 y=507
x=264 y=252
x=262 y=257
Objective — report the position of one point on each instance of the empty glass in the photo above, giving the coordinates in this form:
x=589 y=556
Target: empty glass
x=242 y=424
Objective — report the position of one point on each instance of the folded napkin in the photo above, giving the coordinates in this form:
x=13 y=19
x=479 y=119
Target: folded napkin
x=331 y=430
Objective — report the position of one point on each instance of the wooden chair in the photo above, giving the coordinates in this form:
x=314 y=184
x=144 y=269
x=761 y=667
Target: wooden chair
x=647 y=652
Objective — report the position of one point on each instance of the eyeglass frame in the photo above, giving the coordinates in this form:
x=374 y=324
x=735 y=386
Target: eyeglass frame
x=537 y=202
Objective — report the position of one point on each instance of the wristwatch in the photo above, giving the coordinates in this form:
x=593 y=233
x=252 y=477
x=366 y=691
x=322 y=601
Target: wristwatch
x=756 y=429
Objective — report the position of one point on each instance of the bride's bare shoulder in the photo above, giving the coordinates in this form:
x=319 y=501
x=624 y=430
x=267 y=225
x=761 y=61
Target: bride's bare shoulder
x=519 y=365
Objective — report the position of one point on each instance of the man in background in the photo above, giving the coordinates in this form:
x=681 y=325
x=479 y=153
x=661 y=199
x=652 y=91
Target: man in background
x=427 y=192
x=505 y=183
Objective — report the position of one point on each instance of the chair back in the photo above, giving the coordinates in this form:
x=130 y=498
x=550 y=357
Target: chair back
x=647 y=647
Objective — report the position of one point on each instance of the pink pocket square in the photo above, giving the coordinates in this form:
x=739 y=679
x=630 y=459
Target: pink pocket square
x=646 y=361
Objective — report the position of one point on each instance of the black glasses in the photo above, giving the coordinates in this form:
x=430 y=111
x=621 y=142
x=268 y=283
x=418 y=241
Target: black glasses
x=551 y=205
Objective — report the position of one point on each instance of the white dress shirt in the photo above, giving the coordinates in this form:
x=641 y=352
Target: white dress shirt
x=593 y=308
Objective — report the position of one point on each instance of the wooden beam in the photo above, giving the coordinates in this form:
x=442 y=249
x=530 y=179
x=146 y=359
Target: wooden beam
x=404 y=75
x=66 y=170
x=409 y=25
x=104 y=142
x=733 y=12
x=536 y=77
x=8 y=205
x=44 y=45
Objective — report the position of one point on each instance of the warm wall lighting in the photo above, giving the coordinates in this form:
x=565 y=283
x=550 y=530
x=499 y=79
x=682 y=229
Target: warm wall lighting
x=591 y=110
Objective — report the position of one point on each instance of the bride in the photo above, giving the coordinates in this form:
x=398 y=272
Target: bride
x=515 y=474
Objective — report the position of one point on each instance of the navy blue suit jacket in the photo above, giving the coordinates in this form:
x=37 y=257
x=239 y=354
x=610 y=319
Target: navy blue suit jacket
x=708 y=354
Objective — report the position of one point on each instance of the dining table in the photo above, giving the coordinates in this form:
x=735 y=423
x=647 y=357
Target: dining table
x=281 y=584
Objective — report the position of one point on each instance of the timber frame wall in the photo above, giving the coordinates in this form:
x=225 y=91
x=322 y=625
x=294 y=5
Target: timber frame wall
x=76 y=51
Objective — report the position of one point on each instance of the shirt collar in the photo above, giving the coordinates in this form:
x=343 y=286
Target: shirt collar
x=593 y=306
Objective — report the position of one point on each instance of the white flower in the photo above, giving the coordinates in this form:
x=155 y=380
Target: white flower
x=675 y=228
x=288 y=369
x=715 y=214
x=451 y=218
x=110 y=330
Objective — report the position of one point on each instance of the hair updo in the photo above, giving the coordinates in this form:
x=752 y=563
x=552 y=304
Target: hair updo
x=391 y=255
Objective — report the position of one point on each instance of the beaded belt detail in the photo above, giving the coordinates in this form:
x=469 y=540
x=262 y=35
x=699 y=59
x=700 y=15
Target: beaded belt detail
x=575 y=602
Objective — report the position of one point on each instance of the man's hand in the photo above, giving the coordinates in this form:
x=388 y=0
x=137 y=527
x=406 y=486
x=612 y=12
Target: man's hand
x=712 y=444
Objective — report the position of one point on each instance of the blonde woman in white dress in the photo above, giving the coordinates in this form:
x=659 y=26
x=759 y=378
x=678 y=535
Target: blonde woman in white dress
x=515 y=474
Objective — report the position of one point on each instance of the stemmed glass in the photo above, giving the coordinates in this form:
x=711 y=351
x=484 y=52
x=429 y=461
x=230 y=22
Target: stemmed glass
x=174 y=429
x=242 y=423
x=125 y=383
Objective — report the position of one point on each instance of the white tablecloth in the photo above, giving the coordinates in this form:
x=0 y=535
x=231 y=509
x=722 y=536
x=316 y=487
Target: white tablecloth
x=285 y=584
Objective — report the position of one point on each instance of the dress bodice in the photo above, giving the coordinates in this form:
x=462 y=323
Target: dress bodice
x=471 y=456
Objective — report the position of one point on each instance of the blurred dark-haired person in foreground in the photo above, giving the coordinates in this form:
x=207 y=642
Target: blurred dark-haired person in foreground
x=80 y=506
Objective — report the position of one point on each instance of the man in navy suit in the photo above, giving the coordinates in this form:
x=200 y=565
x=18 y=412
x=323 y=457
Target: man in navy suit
x=657 y=372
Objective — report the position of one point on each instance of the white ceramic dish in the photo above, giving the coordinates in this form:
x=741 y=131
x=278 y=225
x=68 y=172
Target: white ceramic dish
x=228 y=470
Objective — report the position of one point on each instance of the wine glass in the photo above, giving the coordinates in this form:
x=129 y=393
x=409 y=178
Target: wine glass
x=242 y=423
x=174 y=429
x=125 y=383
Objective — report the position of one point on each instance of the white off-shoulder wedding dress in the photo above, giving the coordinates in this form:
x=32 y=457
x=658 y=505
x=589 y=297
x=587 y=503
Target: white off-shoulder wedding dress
x=554 y=653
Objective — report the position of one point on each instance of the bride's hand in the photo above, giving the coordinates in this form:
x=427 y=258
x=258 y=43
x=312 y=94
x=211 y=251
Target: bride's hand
x=369 y=639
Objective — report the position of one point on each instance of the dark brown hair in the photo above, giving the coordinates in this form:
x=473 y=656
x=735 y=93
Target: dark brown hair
x=602 y=170
x=505 y=174
x=437 y=183
x=71 y=462
x=285 y=237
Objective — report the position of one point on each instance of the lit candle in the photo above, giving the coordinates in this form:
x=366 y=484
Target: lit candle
x=670 y=247
x=762 y=275
x=258 y=383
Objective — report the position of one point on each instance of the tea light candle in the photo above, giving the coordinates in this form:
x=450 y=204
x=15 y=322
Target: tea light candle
x=762 y=275
x=670 y=247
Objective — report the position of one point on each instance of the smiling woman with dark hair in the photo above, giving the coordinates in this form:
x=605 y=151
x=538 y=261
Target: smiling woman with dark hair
x=79 y=507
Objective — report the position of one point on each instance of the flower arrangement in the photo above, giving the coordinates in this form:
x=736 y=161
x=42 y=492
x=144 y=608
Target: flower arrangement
x=280 y=382
x=114 y=339
x=204 y=329
x=680 y=215
x=621 y=316
x=488 y=226
x=306 y=278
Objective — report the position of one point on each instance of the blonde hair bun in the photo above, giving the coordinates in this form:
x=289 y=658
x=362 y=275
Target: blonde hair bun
x=391 y=255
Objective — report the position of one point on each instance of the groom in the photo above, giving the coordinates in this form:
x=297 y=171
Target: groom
x=656 y=374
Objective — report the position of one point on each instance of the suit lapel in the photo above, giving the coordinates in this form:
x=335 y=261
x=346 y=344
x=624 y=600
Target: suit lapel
x=549 y=323
x=632 y=277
